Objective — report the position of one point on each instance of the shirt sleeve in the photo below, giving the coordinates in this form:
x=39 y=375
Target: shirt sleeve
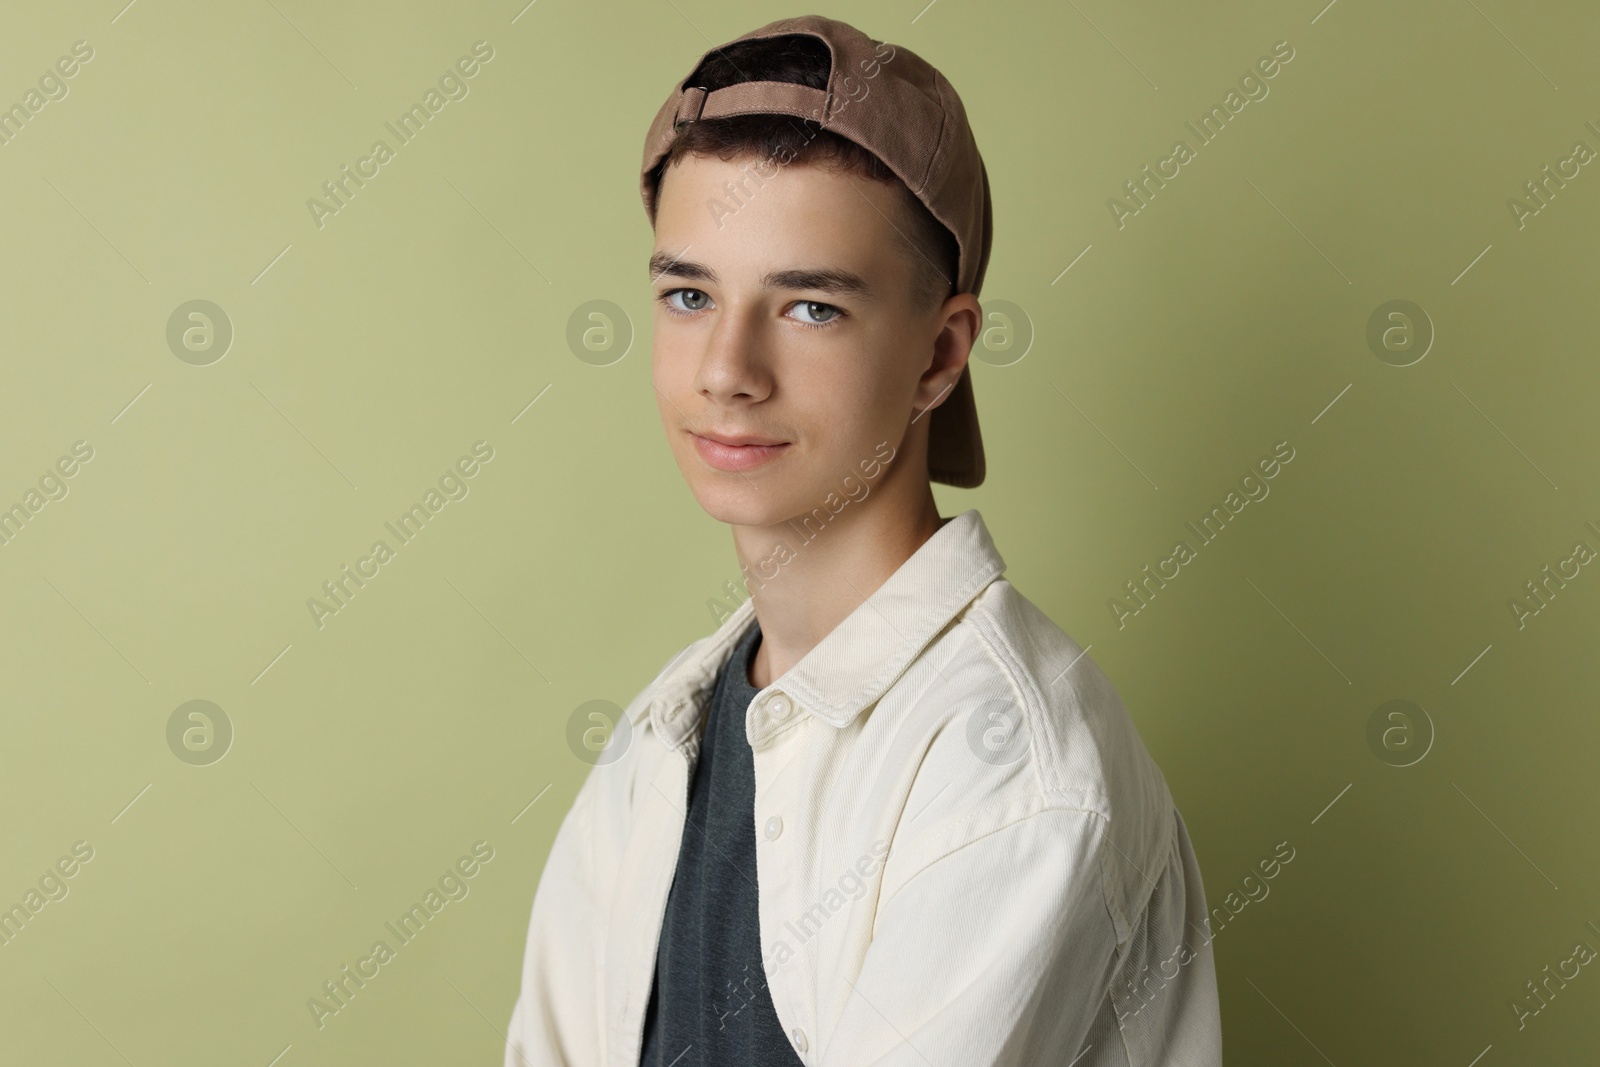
x=998 y=954
x=556 y=1019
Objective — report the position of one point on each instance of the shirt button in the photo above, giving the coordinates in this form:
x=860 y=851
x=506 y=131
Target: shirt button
x=799 y=1037
x=779 y=707
x=774 y=828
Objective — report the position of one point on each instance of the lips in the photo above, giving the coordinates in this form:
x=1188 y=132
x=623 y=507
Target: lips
x=739 y=440
x=737 y=452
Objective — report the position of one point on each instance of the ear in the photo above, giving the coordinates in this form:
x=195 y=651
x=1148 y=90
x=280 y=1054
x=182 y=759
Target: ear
x=957 y=323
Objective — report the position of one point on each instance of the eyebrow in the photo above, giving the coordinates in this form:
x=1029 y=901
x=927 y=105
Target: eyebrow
x=826 y=279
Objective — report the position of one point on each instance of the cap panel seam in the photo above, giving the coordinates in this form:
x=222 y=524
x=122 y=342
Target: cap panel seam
x=936 y=157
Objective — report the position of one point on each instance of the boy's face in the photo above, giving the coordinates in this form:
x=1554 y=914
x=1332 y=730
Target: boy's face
x=785 y=315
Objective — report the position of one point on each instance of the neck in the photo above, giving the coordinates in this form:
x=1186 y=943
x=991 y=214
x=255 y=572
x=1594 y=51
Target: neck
x=803 y=592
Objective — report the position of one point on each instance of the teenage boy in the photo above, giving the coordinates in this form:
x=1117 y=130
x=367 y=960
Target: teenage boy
x=888 y=813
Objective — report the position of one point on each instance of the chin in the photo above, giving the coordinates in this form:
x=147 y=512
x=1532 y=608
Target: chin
x=740 y=504
x=760 y=500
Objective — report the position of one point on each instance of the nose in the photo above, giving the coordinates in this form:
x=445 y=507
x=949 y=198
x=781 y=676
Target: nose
x=734 y=363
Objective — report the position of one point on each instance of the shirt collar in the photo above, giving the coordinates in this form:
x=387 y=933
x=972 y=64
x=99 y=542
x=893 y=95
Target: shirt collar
x=857 y=662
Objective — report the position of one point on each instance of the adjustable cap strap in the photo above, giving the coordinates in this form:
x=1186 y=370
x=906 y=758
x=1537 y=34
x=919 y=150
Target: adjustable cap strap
x=752 y=98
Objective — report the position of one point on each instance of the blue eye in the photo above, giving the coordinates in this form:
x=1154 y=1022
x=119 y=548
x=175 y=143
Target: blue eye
x=697 y=294
x=814 y=313
x=810 y=307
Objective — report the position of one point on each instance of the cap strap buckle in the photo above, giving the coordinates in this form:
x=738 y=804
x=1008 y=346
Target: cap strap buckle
x=694 y=101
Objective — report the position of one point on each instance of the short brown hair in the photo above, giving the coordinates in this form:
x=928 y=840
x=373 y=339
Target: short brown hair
x=803 y=59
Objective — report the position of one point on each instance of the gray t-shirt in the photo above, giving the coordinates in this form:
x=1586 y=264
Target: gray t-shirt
x=709 y=1005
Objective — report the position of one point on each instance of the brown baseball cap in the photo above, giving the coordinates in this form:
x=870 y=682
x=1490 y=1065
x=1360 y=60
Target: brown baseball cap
x=894 y=104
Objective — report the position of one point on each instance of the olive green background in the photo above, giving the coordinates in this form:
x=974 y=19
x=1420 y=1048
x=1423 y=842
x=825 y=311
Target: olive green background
x=1230 y=314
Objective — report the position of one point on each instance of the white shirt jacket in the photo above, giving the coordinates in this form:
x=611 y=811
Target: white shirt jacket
x=965 y=854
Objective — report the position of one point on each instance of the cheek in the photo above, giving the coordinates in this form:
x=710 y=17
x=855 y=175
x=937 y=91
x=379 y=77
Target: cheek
x=853 y=417
x=671 y=369
x=882 y=389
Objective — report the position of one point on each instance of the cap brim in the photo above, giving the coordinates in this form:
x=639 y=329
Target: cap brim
x=955 y=445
